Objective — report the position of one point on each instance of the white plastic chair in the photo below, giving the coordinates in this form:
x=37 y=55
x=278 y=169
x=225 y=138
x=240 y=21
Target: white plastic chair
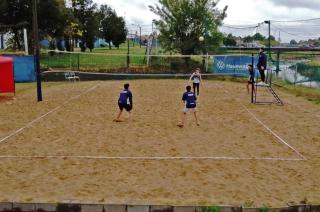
x=73 y=76
x=67 y=76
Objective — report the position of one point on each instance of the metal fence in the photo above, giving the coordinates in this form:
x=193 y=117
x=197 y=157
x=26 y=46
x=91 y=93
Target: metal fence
x=298 y=69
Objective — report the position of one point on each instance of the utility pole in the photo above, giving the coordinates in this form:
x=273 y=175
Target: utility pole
x=269 y=39
x=36 y=52
x=152 y=26
x=140 y=36
x=138 y=25
x=128 y=53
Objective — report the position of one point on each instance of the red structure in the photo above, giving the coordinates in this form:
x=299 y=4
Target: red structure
x=6 y=75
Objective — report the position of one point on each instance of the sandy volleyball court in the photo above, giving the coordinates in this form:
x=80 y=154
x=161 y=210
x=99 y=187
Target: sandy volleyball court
x=241 y=152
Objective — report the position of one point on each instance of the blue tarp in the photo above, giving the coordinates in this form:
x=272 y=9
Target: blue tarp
x=232 y=65
x=23 y=68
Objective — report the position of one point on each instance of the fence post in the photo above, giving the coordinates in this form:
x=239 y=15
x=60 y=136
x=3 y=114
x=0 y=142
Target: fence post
x=278 y=61
x=78 y=62
x=128 y=55
x=207 y=63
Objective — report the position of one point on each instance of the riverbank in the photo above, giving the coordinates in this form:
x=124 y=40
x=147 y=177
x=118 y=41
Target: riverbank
x=311 y=94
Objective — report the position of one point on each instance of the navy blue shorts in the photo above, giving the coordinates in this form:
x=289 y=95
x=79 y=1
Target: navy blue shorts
x=125 y=106
x=250 y=81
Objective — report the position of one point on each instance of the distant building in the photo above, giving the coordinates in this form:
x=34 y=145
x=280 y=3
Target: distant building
x=239 y=41
x=101 y=43
x=254 y=45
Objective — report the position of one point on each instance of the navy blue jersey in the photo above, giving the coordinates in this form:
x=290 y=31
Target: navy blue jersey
x=125 y=97
x=190 y=99
x=262 y=61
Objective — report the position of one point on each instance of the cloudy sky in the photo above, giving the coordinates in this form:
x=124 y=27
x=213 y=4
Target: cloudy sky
x=244 y=12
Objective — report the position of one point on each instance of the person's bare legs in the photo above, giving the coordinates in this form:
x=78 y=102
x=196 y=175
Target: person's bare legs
x=195 y=116
x=183 y=120
x=118 y=116
x=130 y=116
x=248 y=88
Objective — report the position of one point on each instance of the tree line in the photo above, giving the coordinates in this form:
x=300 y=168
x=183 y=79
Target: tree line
x=72 y=21
x=186 y=27
x=231 y=40
x=189 y=27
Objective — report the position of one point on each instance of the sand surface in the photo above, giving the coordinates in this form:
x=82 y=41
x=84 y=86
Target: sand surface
x=79 y=123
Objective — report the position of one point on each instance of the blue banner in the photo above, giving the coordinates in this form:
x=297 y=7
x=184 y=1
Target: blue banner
x=232 y=65
x=23 y=68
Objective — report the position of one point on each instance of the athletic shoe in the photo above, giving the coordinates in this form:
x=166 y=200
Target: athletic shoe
x=262 y=84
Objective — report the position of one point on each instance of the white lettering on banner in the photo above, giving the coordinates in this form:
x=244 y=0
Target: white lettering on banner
x=221 y=65
x=231 y=66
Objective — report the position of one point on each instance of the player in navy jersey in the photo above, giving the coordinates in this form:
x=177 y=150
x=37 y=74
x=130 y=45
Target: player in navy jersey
x=190 y=101
x=251 y=76
x=124 y=102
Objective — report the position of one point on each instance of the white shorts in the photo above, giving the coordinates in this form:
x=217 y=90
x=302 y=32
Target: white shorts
x=191 y=110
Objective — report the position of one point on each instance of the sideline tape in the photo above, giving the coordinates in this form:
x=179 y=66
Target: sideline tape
x=270 y=130
x=146 y=158
x=44 y=115
x=273 y=133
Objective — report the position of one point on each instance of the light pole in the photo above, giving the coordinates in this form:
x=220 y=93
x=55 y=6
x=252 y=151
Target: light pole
x=269 y=39
x=36 y=51
x=128 y=53
x=138 y=25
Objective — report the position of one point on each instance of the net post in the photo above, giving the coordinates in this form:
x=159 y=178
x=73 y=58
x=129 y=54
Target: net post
x=36 y=49
x=252 y=85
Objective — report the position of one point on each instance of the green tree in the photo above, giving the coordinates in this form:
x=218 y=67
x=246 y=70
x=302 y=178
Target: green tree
x=112 y=27
x=14 y=15
x=120 y=34
x=182 y=22
x=258 y=37
x=71 y=30
x=272 y=37
x=85 y=12
x=293 y=42
x=17 y=14
x=248 y=39
x=229 y=40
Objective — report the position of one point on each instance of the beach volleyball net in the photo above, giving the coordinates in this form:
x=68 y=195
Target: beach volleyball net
x=292 y=68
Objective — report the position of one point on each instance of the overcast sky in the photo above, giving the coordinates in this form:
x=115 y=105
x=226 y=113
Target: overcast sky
x=240 y=12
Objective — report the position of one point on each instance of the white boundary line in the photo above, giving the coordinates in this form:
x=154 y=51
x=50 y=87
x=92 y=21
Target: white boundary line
x=270 y=130
x=145 y=158
x=44 y=115
x=273 y=133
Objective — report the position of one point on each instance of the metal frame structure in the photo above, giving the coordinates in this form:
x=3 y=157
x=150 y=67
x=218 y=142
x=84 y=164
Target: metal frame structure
x=255 y=85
